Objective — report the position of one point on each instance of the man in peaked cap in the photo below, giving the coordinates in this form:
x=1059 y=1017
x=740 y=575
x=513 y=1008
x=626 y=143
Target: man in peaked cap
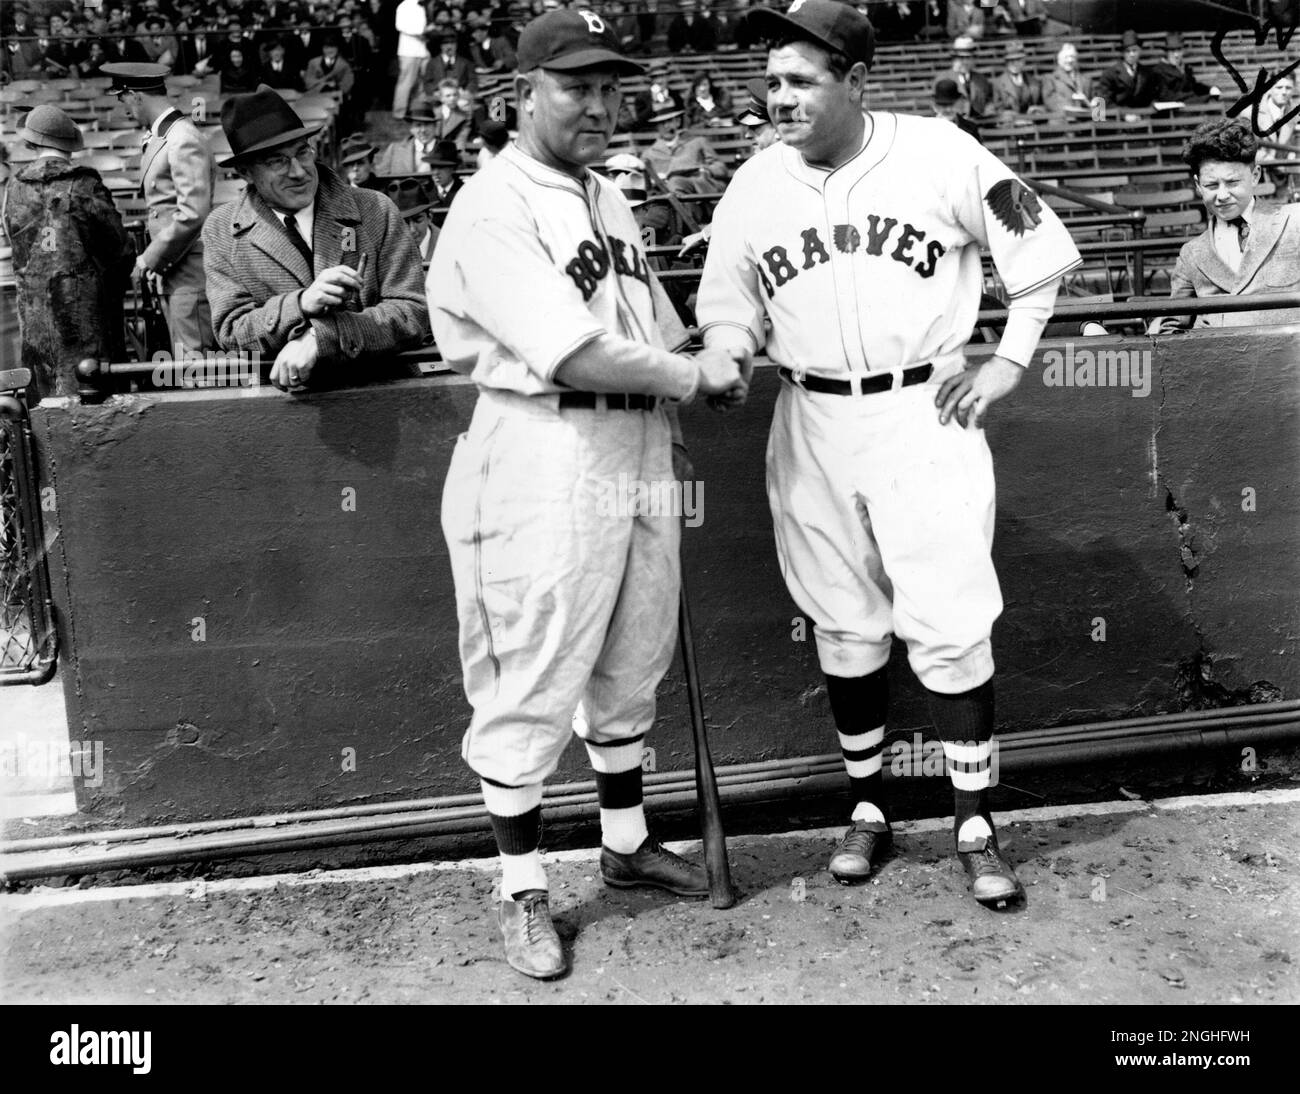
x=176 y=177
x=321 y=276
x=755 y=118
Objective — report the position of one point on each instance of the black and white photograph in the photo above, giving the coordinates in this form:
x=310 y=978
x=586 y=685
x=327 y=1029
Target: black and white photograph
x=647 y=502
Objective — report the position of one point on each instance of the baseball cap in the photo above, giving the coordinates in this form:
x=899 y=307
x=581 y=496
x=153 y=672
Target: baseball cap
x=566 y=40
x=826 y=23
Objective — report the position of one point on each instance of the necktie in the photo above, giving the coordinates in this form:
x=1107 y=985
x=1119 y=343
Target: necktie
x=295 y=237
x=1243 y=230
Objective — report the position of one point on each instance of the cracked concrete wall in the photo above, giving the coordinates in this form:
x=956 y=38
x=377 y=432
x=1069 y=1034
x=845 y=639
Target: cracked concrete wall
x=325 y=630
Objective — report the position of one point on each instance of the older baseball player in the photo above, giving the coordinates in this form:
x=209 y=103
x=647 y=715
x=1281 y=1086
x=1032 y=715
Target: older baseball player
x=566 y=590
x=857 y=238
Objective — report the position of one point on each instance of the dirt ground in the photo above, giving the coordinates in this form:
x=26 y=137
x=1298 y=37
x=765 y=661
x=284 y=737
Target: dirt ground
x=1177 y=903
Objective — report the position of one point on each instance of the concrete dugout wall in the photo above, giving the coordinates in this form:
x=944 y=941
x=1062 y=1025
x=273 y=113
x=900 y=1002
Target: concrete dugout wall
x=1171 y=519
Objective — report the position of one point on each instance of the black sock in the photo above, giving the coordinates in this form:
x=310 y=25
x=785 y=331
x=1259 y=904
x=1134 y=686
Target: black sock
x=966 y=720
x=860 y=706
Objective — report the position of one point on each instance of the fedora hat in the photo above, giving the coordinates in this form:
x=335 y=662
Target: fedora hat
x=410 y=197
x=666 y=113
x=355 y=148
x=258 y=122
x=47 y=126
x=444 y=154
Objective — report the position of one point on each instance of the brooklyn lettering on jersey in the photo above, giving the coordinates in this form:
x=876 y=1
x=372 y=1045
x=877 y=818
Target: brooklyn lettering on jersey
x=594 y=262
x=884 y=237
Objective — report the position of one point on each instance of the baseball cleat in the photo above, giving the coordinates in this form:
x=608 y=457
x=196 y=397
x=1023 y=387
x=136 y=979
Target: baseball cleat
x=993 y=880
x=863 y=845
x=532 y=946
x=653 y=867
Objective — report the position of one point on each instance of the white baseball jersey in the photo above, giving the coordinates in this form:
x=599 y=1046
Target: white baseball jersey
x=531 y=265
x=875 y=265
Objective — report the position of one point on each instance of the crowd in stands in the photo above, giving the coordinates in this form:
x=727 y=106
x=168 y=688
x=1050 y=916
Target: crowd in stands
x=423 y=96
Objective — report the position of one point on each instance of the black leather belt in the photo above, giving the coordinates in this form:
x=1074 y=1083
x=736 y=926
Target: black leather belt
x=616 y=401
x=867 y=385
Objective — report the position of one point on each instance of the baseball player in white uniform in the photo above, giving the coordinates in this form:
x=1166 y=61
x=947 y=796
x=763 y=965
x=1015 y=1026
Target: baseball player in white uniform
x=566 y=581
x=851 y=250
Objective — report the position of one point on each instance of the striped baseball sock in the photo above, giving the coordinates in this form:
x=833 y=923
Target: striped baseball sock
x=860 y=706
x=965 y=726
x=516 y=815
x=618 y=786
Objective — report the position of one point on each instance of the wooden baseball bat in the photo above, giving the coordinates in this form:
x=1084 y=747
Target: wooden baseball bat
x=722 y=893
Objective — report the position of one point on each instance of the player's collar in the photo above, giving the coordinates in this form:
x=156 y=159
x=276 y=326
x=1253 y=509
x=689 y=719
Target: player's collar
x=877 y=138
x=543 y=175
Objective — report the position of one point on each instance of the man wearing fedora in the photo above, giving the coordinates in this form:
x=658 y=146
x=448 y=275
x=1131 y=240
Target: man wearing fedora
x=951 y=105
x=1013 y=90
x=1127 y=82
x=1174 y=81
x=446 y=184
x=357 y=161
x=71 y=256
x=319 y=276
x=406 y=157
x=177 y=174
x=976 y=88
x=414 y=203
x=686 y=164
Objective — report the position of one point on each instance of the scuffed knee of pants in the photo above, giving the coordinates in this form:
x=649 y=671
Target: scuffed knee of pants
x=953 y=675
x=845 y=655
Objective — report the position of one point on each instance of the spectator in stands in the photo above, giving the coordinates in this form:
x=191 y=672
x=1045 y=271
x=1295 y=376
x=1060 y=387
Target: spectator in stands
x=1174 y=81
x=951 y=105
x=159 y=46
x=965 y=19
x=1013 y=91
x=454 y=114
x=709 y=104
x=976 y=88
x=1127 y=83
x=414 y=202
x=63 y=52
x=411 y=23
x=446 y=184
x=283 y=260
x=359 y=54
x=357 y=162
x=489 y=53
x=1272 y=124
x=70 y=294
x=657 y=220
x=691 y=32
x=685 y=164
x=724 y=25
x=330 y=74
x=302 y=44
x=1028 y=17
x=650 y=20
x=25 y=59
x=406 y=157
x=492 y=137
x=278 y=73
x=239 y=75
x=626 y=27
x=657 y=97
x=235 y=38
x=198 y=52
x=1249 y=247
x=96 y=57
x=1066 y=90
x=448 y=64
x=177 y=177
x=762 y=133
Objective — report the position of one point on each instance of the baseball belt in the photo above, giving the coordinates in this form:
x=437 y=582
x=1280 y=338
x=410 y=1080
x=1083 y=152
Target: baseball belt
x=590 y=401
x=865 y=385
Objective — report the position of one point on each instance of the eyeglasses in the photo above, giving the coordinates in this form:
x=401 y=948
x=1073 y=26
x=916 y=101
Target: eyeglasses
x=279 y=162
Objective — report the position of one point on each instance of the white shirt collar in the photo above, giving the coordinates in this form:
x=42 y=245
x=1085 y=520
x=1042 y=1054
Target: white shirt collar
x=306 y=221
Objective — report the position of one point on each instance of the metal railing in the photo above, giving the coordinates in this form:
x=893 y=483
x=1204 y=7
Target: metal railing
x=28 y=641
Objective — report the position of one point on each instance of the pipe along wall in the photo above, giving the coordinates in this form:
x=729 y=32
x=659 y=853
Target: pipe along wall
x=256 y=610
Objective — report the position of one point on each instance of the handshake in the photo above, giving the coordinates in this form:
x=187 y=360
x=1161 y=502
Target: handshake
x=725 y=375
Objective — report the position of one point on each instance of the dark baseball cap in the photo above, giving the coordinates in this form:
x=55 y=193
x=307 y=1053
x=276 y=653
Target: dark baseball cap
x=566 y=40
x=827 y=23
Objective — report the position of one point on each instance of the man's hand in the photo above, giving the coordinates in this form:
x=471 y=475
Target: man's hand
x=723 y=375
x=151 y=279
x=970 y=393
x=293 y=364
x=330 y=290
x=736 y=395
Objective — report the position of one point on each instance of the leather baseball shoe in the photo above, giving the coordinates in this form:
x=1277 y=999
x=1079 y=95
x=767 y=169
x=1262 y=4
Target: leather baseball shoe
x=532 y=946
x=652 y=866
x=992 y=878
x=863 y=845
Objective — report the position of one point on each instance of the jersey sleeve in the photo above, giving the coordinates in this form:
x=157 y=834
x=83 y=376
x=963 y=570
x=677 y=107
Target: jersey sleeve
x=1029 y=244
x=504 y=281
x=671 y=328
x=729 y=292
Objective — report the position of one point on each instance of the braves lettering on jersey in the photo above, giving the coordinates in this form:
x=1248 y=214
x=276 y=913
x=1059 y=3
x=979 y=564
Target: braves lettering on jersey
x=499 y=311
x=884 y=250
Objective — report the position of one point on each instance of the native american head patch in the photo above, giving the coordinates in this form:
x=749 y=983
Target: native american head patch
x=847 y=238
x=1015 y=205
